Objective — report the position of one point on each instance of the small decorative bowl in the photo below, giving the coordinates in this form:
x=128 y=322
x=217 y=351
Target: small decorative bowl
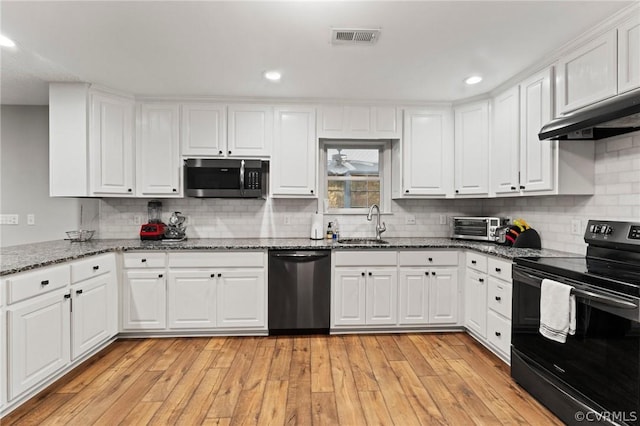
x=80 y=236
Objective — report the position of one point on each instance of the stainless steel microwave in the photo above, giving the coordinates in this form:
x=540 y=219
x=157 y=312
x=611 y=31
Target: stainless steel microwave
x=477 y=228
x=225 y=178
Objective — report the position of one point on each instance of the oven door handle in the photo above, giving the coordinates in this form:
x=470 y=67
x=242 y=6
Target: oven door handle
x=536 y=281
x=607 y=300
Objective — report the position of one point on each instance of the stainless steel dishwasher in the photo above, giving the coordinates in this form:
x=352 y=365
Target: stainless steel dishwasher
x=299 y=291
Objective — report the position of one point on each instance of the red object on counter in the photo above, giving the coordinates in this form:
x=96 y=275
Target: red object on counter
x=152 y=231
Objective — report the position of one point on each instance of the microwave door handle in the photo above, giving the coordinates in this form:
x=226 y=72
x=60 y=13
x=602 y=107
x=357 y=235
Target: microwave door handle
x=242 y=177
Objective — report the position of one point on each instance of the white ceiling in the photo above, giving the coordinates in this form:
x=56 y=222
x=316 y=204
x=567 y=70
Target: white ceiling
x=221 y=48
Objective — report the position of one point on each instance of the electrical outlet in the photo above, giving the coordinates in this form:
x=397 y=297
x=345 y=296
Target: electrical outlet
x=9 y=219
x=137 y=220
x=31 y=219
x=443 y=219
x=576 y=227
x=410 y=219
x=287 y=219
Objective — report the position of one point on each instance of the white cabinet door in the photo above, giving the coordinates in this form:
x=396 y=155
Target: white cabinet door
x=144 y=300
x=38 y=340
x=629 y=55
x=250 y=130
x=94 y=313
x=476 y=302
x=427 y=157
x=204 y=129
x=386 y=122
x=472 y=149
x=349 y=296
x=111 y=145
x=359 y=122
x=158 y=159
x=536 y=156
x=192 y=299
x=588 y=74
x=381 y=296
x=414 y=296
x=505 y=146
x=443 y=296
x=293 y=164
x=242 y=298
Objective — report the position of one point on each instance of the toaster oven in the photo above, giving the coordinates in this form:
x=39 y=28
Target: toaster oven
x=477 y=228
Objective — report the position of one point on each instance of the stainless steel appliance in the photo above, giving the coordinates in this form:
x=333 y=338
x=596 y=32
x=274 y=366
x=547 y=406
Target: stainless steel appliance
x=299 y=291
x=477 y=228
x=595 y=376
x=614 y=116
x=225 y=178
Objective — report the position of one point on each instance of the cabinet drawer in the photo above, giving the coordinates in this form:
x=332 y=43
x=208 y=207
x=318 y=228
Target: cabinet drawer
x=499 y=268
x=144 y=260
x=499 y=294
x=228 y=259
x=477 y=262
x=366 y=258
x=428 y=258
x=30 y=284
x=92 y=267
x=499 y=332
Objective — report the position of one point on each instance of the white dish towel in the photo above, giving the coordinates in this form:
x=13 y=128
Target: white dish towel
x=557 y=310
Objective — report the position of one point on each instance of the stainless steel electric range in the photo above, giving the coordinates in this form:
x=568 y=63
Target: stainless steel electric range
x=593 y=378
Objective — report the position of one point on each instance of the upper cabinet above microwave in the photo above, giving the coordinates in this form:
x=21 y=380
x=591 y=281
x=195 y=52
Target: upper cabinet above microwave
x=219 y=130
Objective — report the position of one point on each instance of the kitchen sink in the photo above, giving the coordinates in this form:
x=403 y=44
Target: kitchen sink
x=370 y=241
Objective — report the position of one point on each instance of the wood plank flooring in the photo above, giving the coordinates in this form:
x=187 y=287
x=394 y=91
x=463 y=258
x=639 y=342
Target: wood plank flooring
x=389 y=379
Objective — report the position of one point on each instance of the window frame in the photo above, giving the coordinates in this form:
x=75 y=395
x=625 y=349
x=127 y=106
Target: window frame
x=384 y=147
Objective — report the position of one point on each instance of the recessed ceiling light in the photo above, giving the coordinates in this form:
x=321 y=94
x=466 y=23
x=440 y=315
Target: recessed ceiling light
x=474 y=79
x=6 y=41
x=272 y=75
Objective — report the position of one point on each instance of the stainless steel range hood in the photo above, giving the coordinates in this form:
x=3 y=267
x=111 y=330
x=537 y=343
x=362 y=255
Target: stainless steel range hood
x=615 y=116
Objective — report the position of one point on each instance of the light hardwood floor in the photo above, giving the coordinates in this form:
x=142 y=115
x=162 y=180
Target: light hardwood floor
x=401 y=379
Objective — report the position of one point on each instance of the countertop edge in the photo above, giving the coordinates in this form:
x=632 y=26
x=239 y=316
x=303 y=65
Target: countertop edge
x=59 y=253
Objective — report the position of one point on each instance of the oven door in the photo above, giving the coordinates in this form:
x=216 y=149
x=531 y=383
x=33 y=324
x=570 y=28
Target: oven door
x=602 y=360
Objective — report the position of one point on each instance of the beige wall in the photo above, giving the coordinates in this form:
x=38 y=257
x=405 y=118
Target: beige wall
x=24 y=180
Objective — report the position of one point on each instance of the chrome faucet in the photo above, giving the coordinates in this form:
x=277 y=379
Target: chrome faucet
x=379 y=228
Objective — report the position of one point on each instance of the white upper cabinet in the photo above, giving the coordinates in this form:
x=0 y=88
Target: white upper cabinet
x=250 y=130
x=359 y=122
x=505 y=147
x=204 y=129
x=111 y=144
x=536 y=156
x=159 y=170
x=588 y=74
x=472 y=149
x=426 y=154
x=629 y=55
x=90 y=142
x=295 y=148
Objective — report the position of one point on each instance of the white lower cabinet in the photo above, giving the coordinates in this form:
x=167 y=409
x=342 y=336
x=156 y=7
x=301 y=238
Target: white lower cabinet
x=242 y=298
x=38 y=340
x=428 y=296
x=93 y=313
x=144 y=296
x=488 y=302
x=192 y=299
x=365 y=296
x=409 y=288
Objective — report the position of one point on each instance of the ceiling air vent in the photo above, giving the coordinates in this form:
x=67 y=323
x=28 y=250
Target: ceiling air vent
x=354 y=36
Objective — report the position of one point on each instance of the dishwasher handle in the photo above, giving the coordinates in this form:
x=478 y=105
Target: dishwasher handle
x=300 y=256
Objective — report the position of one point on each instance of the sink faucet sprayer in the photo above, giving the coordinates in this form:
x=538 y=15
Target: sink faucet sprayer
x=379 y=228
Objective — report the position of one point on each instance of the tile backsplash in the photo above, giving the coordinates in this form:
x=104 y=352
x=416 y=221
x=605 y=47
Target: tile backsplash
x=617 y=197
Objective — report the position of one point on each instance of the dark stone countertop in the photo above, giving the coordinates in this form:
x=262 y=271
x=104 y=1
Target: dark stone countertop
x=24 y=257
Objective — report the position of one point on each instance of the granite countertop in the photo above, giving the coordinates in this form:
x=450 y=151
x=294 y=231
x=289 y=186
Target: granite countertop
x=24 y=257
